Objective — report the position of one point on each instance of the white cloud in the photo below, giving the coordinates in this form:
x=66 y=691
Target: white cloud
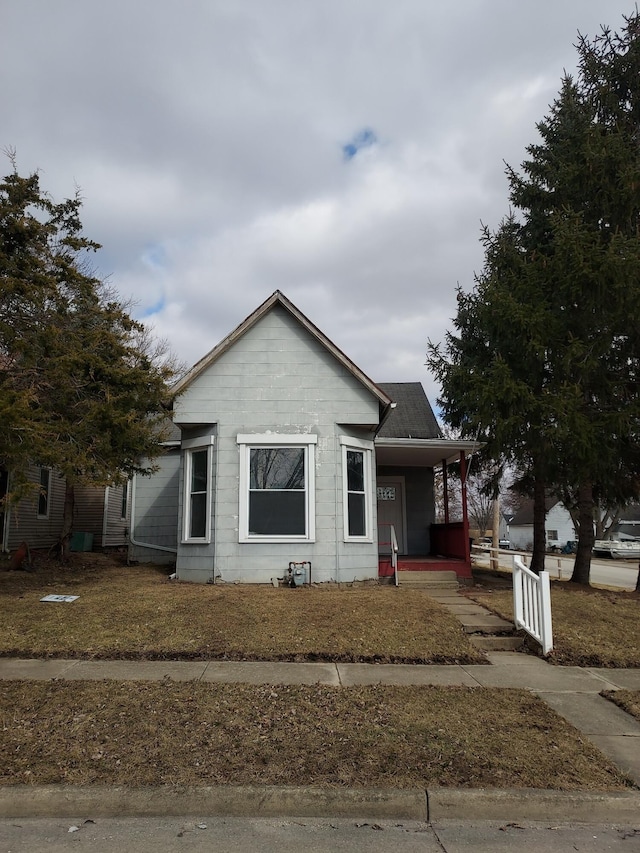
x=208 y=141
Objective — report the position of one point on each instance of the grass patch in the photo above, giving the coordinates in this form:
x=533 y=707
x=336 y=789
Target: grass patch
x=136 y=613
x=628 y=700
x=126 y=733
x=591 y=627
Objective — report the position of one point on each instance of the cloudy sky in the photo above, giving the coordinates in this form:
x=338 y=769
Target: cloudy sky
x=345 y=152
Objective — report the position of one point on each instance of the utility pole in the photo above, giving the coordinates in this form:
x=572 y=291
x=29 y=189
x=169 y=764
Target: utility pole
x=495 y=534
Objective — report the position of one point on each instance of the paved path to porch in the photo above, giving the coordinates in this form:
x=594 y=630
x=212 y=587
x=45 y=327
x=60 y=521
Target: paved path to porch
x=573 y=692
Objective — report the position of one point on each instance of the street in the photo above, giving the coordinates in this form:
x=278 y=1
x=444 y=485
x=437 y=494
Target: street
x=313 y=835
x=621 y=574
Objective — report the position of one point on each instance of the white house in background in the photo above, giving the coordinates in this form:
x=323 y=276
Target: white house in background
x=284 y=451
x=558 y=526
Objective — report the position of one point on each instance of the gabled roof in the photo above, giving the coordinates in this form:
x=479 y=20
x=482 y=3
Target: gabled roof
x=279 y=299
x=413 y=416
x=524 y=515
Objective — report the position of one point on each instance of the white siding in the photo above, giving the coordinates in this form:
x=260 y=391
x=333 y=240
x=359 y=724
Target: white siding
x=559 y=521
x=278 y=378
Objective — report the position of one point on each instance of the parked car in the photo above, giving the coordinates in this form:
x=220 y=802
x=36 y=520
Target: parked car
x=504 y=544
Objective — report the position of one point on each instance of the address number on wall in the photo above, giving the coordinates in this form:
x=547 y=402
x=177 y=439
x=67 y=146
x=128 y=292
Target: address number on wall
x=386 y=493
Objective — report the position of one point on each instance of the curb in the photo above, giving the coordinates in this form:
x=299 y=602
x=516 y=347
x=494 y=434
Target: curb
x=520 y=804
x=282 y=801
x=223 y=801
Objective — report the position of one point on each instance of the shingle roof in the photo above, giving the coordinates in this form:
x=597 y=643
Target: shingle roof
x=524 y=514
x=413 y=416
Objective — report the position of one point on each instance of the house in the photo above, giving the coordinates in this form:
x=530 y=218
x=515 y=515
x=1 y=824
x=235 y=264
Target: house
x=285 y=453
x=101 y=515
x=559 y=525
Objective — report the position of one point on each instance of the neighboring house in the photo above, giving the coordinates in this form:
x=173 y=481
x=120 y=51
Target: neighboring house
x=628 y=526
x=558 y=526
x=286 y=452
x=37 y=519
x=102 y=513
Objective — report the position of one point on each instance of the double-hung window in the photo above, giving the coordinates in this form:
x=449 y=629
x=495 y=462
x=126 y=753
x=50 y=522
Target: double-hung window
x=356 y=493
x=43 y=494
x=277 y=484
x=197 y=489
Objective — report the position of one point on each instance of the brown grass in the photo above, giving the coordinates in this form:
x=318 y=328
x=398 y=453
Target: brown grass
x=137 y=613
x=628 y=700
x=135 y=734
x=591 y=627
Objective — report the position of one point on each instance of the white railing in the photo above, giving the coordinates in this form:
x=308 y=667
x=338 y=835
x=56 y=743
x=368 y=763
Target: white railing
x=532 y=604
x=394 y=553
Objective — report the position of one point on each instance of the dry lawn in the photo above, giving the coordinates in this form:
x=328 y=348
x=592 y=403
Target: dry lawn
x=591 y=627
x=137 y=734
x=628 y=700
x=137 y=613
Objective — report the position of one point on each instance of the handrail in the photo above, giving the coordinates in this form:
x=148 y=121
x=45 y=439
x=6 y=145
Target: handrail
x=532 y=604
x=393 y=548
x=394 y=553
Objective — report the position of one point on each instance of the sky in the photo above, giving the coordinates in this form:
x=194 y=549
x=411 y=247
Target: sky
x=345 y=152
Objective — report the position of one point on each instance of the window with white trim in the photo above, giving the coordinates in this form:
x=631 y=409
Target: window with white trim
x=277 y=487
x=197 y=490
x=356 y=480
x=45 y=491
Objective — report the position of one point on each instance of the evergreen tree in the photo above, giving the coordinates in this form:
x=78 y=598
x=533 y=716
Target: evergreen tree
x=81 y=385
x=564 y=281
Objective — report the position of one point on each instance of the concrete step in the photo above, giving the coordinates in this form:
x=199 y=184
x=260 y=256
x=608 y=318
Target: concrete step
x=436 y=575
x=442 y=580
x=488 y=624
x=496 y=644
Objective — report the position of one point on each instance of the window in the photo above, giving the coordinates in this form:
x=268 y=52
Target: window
x=277 y=500
x=552 y=535
x=356 y=477
x=125 y=500
x=197 y=490
x=43 y=494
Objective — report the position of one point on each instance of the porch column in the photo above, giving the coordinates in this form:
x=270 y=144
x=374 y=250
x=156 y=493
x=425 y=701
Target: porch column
x=445 y=491
x=465 y=516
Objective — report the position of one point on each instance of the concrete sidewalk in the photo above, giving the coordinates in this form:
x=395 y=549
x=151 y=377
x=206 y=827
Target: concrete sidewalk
x=570 y=690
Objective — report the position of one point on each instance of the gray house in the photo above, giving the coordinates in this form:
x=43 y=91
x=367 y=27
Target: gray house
x=284 y=451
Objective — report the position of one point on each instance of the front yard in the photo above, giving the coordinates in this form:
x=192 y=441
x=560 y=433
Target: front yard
x=137 y=613
x=148 y=734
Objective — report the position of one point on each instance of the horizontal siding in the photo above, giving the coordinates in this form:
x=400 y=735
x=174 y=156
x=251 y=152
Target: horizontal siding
x=23 y=522
x=278 y=378
x=88 y=512
x=117 y=527
x=155 y=514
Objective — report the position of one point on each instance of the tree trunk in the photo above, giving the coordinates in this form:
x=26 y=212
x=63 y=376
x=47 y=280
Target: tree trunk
x=638 y=579
x=582 y=564
x=64 y=542
x=539 y=533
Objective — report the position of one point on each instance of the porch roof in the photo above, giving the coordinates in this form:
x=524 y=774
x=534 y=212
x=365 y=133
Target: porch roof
x=421 y=452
